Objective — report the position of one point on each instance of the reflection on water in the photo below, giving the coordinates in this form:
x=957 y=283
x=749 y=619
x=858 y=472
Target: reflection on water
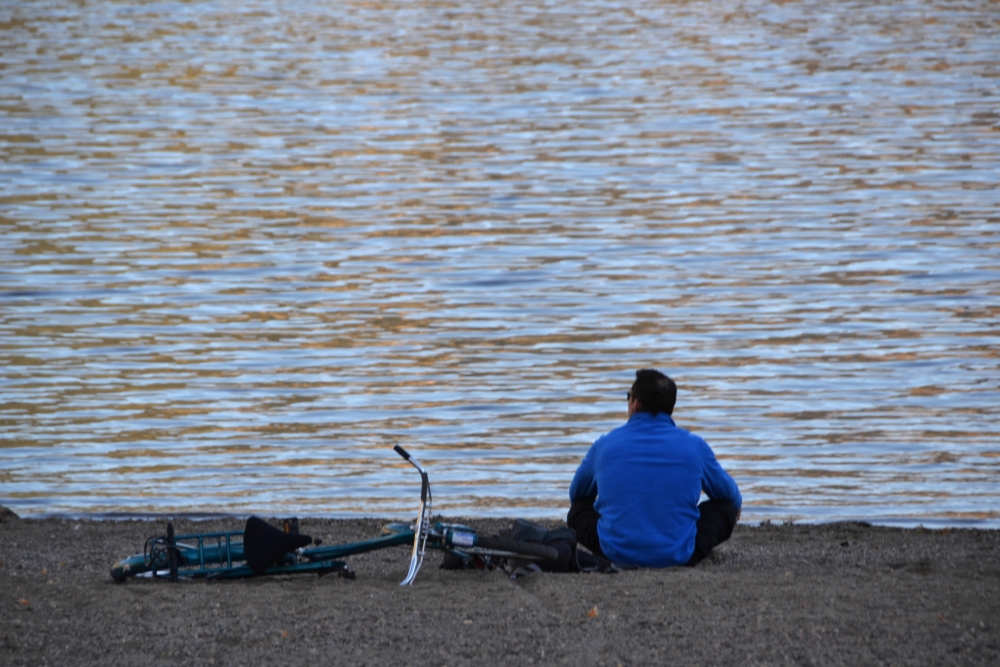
x=248 y=247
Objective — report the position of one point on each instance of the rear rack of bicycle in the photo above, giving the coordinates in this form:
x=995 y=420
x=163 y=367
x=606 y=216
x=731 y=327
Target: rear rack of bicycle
x=217 y=556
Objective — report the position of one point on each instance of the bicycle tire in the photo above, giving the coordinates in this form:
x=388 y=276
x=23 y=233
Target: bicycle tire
x=130 y=567
x=515 y=548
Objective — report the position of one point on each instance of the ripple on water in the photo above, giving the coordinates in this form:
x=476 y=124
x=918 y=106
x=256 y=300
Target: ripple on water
x=246 y=250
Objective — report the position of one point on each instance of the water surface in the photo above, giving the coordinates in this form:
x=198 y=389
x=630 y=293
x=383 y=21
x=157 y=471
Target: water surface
x=247 y=247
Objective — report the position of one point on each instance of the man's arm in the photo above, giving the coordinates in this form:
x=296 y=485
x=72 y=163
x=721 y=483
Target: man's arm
x=717 y=483
x=584 y=484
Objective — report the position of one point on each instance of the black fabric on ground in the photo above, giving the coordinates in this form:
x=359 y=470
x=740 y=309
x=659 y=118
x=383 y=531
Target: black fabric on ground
x=562 y=539
x=265 y=545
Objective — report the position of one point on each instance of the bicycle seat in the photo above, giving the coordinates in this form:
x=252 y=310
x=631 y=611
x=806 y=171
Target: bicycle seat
x=265 y=545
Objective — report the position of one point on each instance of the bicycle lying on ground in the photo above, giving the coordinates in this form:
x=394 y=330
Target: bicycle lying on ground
x=263 y=549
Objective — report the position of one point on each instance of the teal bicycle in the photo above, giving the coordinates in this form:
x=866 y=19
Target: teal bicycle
x=264 y=549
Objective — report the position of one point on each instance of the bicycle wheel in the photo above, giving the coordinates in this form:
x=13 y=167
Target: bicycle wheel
x=503 y=546
x=130 y=567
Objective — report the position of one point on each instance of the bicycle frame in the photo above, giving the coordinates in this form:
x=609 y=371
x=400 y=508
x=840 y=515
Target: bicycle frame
x=223 y=555
x=264 y=549
x=201 y=558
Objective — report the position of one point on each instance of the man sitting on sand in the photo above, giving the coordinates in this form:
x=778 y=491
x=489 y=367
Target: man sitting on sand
x=635 y=496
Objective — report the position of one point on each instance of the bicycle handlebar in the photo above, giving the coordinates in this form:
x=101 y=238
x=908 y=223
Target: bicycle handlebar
x=402 y=452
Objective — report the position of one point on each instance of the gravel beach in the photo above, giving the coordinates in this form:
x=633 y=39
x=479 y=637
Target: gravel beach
x=829 y=594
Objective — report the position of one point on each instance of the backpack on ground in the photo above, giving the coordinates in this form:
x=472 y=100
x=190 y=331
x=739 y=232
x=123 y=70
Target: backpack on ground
x=563 y=539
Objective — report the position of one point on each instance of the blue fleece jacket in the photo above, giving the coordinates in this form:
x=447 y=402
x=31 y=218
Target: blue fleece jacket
x=648 y=475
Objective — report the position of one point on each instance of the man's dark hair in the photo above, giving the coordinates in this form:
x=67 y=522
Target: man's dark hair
x=655 y=391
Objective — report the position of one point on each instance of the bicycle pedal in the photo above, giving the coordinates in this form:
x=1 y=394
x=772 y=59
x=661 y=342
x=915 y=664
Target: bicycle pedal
x=347 y=574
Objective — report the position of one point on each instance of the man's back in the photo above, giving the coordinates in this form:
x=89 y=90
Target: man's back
x=648 y=476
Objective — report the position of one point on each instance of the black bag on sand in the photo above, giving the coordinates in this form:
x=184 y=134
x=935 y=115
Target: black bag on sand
x=563 y=539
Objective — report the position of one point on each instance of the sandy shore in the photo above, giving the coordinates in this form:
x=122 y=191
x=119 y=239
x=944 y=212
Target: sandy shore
x=831 y=594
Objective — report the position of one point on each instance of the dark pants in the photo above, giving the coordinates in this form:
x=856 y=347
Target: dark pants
x=716 y=521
